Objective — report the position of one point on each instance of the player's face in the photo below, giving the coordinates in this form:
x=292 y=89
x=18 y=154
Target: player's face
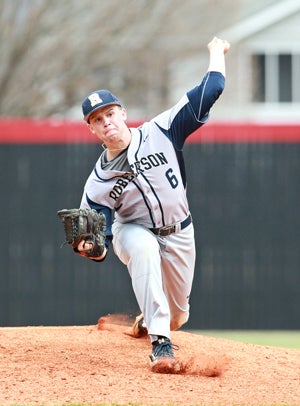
x=108 y=124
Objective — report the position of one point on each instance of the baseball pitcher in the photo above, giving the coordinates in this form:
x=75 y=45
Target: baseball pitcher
x=135 y=200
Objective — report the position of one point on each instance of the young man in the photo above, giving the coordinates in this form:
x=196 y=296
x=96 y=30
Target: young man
x=140 y=177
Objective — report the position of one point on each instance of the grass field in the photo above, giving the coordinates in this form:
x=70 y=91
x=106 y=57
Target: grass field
x=285 y=339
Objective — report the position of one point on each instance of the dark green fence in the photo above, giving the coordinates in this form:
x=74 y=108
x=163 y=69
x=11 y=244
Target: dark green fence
x=245 y=203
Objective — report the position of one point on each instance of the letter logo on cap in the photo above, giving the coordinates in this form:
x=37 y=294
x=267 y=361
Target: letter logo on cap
x=95 y=99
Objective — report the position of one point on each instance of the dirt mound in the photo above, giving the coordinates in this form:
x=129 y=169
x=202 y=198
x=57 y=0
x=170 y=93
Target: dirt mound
x=105 y=364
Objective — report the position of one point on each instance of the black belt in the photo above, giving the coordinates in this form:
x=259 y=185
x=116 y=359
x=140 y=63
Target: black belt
x=167 y=230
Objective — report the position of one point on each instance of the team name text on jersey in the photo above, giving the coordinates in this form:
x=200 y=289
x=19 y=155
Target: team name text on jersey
x=148 y=162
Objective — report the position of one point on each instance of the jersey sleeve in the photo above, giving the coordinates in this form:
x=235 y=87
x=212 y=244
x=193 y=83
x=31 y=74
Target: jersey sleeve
x=203 y=97
x=192 y=110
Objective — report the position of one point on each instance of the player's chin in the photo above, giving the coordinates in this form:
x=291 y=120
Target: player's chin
x=112 y=140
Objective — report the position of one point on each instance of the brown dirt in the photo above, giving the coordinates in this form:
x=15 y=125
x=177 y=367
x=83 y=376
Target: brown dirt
x=104 y=364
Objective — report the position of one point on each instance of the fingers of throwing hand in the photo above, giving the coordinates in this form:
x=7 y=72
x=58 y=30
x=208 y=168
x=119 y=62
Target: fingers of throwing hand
x=219 y=43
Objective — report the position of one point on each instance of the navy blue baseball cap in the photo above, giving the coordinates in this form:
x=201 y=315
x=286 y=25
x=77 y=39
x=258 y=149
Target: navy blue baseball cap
x=96 y=100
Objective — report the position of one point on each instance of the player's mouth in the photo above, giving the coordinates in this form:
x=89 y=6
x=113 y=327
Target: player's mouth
x=110 y=131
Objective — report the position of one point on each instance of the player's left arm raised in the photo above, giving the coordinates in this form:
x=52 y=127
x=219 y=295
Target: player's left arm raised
x=203 y=97
x=217 y=50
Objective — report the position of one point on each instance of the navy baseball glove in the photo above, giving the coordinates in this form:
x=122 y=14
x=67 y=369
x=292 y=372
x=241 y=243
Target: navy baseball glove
x=84 y=224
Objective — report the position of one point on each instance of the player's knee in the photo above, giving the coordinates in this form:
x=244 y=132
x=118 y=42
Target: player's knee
x=178 y=320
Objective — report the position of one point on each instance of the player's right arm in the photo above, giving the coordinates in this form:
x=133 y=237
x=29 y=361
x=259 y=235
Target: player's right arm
x=86 y=202
x=84 y=246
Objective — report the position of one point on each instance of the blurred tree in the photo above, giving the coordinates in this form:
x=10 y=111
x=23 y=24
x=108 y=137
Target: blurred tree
x=54 y=52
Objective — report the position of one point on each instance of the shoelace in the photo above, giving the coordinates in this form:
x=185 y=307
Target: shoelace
x=164 y=348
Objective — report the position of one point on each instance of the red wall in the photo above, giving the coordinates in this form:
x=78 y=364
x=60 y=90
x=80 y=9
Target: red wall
x=30 y=131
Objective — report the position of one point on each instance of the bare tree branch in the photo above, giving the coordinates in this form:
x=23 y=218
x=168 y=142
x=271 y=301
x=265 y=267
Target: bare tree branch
x=55 y=51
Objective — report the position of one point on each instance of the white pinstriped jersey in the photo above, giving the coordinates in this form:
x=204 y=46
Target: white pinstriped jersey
x=153 y=192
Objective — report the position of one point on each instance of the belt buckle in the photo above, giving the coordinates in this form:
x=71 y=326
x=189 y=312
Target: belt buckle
x=167 y=230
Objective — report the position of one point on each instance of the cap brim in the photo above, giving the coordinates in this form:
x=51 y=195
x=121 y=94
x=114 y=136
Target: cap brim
x=86 y=118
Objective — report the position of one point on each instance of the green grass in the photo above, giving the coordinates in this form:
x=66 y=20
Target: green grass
x=285 y=339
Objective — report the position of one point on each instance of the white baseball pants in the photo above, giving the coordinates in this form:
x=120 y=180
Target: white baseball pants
x=161 y=270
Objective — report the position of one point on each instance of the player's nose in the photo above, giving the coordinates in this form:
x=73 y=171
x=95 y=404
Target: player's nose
x=106 y=121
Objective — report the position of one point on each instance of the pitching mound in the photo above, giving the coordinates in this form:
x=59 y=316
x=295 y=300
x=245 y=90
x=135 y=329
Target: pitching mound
x=105 y=364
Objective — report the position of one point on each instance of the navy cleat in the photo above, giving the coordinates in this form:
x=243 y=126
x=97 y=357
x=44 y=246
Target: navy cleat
x=162 y=359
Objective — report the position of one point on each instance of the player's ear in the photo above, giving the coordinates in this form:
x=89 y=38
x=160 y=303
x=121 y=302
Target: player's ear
x=90 y=128
x=124 y=113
